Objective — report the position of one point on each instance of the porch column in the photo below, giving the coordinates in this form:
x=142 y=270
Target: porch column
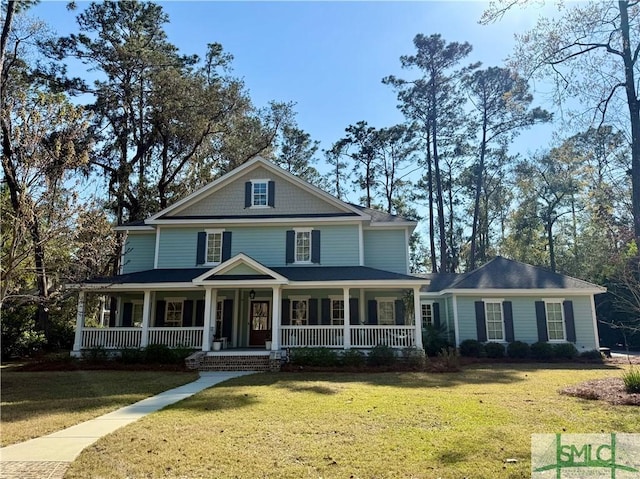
x=77 y=342
x=347 y=319
x=418 y=316
x=146 y=318
x=275 y=319
x=206 y=331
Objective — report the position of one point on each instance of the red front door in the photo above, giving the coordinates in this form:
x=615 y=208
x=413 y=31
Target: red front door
x=259 y=322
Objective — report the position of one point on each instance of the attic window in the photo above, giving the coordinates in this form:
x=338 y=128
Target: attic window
x=259 y=194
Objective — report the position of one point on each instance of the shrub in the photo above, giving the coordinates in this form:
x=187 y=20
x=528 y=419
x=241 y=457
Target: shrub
x=353 y=358
x=414 y=358
x=471 y=348
x=592 y=355
x=542 y=351
x=631 y=380
x=494 y=350
x=448 y=361
x=381 y=355
x=314 y=357
x=98 y=353
x=518 y=349
x=434 y=339
x=19 y=336
x=182 y=353
x=565 y=351
x=132 y=356
x=159 y=353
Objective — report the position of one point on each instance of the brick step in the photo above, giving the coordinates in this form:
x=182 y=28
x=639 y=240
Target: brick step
x=202 y=362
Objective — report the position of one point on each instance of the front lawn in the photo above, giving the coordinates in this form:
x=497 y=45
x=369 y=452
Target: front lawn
x=37 y=403
x=341 y=425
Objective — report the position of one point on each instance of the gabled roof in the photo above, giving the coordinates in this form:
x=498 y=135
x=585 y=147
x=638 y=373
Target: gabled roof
x=245 y=168
x=257 y=271
x=506 y=274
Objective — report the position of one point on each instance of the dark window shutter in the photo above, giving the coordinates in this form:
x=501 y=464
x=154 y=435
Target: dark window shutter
x=541 y=321
x=509 y=334
x=247 y=194
x=481 y=322
x=226 y=245
x=187 y=314
x=570 y=324
x=113 y=307
x=354 y=311
x=286 y=312
x=313 y=311
x=160 y=307
x=127 y=315
x=315 y=246
x=373 y=311
x=399 y=306
x=227 y=318
x=325 y=311
x=435 y=314
x=200 y=312
x=202 y=247
x=291 y=245
x=271 y=194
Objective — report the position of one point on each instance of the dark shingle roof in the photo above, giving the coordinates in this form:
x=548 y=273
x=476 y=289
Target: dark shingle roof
x=378 y=216
x=294 y=273
x=503 y=273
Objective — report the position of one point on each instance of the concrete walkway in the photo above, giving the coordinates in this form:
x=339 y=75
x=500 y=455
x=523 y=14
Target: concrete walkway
x=49 y=456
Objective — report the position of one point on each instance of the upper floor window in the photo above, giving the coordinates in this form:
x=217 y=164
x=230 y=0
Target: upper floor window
x=303 y=246
x=259 y=194
x=214 y=247
x=494 y=319
x=555 y=320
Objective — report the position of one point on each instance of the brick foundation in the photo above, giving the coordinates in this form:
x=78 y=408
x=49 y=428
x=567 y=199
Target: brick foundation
x=203 y=362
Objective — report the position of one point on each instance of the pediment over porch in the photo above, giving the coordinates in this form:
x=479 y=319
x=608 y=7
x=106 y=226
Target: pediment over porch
x=240 y=268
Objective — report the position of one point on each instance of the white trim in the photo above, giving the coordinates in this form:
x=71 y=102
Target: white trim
x=386 y=299
x=266 y=199
x=595 y=323
x=246 y=168
x=299 y=297
x=156 y=254
x=295 y=245
x=123 y=250
x=552 y=300
x=499 y=301
x=401 y=223
x=430 y=303
x=231 y=263
x=253 y=220
x=456 y=326
x=360 y=244
x=519 y=292
x=563 y=321
x=134 y=229
x=493 y=300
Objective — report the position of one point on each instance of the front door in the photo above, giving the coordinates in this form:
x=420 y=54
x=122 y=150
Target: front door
x=259 y=319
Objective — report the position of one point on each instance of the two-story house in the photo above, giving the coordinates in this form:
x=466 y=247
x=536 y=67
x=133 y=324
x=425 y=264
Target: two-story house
x=259 y=261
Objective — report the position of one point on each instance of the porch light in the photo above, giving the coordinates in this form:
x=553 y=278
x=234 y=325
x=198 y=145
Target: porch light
x=252 y=294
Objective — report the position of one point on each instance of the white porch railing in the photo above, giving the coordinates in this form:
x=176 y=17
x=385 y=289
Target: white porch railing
x=177 y=337
x=121 y=338
x=111 y=338
x=368 y=336
x=312 y=336
x=362 y=336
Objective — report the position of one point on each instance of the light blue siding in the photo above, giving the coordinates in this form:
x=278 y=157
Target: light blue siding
x=524 y=318
x=177 y=247
x=266 y=244
x=386 y=249
x=139 y=252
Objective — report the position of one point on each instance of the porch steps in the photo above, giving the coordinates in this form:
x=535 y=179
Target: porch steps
x=237 y=362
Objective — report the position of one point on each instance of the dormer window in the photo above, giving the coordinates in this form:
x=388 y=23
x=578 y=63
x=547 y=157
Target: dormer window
x=259 y=194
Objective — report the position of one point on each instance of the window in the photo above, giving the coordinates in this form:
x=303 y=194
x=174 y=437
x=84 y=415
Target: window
x=427 y=315
x=136 y=314
x=214 y=247
x=555 y=320
x=337 y=311
x=259 y=192
x=386 y=311
x=299 y=312
x=173 y=316
x=303 y=246
x=493 y=316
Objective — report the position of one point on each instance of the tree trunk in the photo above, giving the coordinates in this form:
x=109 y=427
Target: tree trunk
x=634 y=114
x=552 y=254
x=478 y=192
x=432 y=231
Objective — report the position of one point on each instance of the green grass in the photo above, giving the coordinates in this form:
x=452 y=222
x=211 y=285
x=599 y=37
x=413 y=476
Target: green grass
x=413 y=425
x=38 y=403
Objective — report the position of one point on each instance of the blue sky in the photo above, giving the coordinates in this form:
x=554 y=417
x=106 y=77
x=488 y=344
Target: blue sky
x=328 y=57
